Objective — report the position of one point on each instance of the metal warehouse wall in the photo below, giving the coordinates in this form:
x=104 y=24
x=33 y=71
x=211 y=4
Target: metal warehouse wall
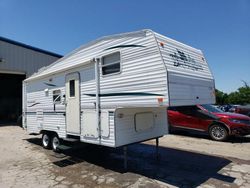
x=20 y=59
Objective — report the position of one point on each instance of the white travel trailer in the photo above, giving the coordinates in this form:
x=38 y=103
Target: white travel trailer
x=114 y=91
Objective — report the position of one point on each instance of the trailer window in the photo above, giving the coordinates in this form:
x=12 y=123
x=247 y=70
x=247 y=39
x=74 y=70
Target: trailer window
x=57 y=96
x=111 y=63
x=72 y=88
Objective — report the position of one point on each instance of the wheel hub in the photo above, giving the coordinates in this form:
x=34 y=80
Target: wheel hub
x=45 y=140
x=55 y=143
x=218 y=132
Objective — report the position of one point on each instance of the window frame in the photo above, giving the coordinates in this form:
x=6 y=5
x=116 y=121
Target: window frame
x=53 y=95
x=108 y=54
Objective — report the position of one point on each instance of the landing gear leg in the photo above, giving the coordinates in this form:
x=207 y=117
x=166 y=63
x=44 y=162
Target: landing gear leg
x=125 y=153
x=157 y=149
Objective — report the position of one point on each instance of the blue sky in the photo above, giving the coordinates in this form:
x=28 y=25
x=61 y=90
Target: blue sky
x=220 y=28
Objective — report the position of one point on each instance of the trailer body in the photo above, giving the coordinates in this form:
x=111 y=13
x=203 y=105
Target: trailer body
x=114 y=91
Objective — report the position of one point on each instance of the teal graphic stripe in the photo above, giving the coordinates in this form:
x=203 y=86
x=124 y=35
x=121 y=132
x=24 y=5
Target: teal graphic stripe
x=125 y=46
x=125 y=94
x=47 y=113
x=48 y=84
x=34 y=104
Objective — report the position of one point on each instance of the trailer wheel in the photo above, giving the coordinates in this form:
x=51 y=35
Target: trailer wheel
x=55 y=143
x=218 y=132
x=46 y=140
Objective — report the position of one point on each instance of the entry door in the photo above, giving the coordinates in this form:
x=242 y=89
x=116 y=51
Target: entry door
x=72 y=103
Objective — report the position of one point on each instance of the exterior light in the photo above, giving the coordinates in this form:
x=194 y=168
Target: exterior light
x=46 y=91
x=160 y=100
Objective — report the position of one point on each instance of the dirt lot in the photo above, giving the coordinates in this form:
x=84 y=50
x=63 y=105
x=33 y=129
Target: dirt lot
x=185 y=161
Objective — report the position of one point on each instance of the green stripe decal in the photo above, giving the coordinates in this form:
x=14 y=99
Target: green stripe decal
x=124 y=94
x=34 y=104
x=48 y=84
x=125 y=46
x=47 y=113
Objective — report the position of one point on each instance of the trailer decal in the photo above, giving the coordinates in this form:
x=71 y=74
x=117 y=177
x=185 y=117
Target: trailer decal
x=34 y=104
x=47 y=113
x=124 y=94
x=125 y=46
x=48 y=84
x=185 y=61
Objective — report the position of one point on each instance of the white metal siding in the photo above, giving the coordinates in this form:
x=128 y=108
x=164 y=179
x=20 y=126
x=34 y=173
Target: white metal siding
x=32 y=124
x=88 y=86
x=106 y=141
x=125 y=125
x=190 y=82
x=142 y=71
x=53 y=120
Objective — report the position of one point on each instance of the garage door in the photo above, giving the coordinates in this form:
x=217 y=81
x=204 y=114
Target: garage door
x=10 y=97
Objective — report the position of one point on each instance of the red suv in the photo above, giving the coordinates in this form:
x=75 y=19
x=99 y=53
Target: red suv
x=207 y=118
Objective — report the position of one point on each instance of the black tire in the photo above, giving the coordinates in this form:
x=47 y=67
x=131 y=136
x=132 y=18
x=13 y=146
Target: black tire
x=218 y=132
x=55 y=143
x=46 y=140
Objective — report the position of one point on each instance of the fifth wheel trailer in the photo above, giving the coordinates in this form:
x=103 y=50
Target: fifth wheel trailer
x=114 y=91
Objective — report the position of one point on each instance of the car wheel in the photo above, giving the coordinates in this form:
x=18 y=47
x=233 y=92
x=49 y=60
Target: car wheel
x=218 y=132
x=55 y=143
x=46 y=141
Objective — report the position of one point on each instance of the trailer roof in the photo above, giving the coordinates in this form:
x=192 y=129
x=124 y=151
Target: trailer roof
x=140 y=33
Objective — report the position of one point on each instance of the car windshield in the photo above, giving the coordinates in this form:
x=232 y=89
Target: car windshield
x=211 y=108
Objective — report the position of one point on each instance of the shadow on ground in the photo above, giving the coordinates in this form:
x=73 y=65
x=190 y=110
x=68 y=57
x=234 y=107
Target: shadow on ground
x=4 y=124
x=175 y=167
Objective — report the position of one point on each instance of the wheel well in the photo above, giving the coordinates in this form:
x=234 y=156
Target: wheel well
x=221 y=124
x=49 y=132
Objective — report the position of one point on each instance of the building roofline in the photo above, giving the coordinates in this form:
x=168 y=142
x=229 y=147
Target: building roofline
x=29 y=47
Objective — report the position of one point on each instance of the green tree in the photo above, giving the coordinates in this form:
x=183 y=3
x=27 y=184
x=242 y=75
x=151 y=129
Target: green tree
x=221 y=97
x=241 y=96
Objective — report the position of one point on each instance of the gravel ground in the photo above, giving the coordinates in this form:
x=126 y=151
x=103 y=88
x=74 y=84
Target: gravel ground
x=185 y=161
